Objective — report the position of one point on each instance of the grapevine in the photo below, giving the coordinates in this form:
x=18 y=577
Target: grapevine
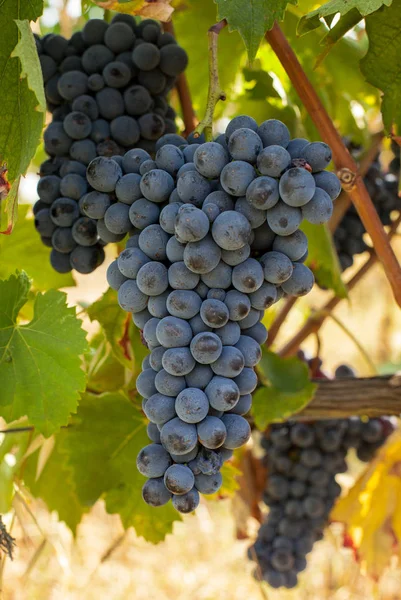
x=197 y=169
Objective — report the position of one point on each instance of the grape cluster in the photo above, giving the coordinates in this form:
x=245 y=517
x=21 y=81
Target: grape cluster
x=383 y=190
x=106 y=88
x=303 y=460
x=216 y=242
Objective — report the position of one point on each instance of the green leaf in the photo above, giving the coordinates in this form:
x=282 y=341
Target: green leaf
x=52 y=483
x=286 y=391
x=330 y=9
x=26 y=51
x=105 y=372
x=347 y=22
x=270 y=405
x=112 y=319
x=22 y=114
x=198 y=17
x=151 y=523
x=252 y=19
x=24 y=250
x=382 y=64
x=323 y=260
x=101 y=446
x=40 y=368
x=12 y=450
x=263 y=84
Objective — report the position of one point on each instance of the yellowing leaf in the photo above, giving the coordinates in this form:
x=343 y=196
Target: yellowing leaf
x=160 y=9
x=371 y=510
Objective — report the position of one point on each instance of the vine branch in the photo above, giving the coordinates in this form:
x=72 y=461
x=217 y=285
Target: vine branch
x=341 y=398
x=316 y=320
x=343 y=203
x=279 y=320
x=347 y=168
x=215 y=92
x=183 y=91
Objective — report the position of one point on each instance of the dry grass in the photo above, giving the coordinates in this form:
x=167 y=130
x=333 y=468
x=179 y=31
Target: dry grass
x=202 y=560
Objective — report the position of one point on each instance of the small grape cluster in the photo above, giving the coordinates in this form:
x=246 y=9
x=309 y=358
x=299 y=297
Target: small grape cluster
x=216 y=242
x=106 y=88
x=383 y=190
x=303 y=460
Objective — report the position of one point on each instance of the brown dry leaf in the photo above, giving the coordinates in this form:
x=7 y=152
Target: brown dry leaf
x=371 y=511
x=152 y=9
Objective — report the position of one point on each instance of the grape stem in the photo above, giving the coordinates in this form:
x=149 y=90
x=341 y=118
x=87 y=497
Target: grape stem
x=317 y=318
x=347 y=169
x=215 y=93
x=184 y=94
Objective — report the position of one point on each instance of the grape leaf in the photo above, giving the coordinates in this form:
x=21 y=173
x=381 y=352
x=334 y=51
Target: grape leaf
x=26 y=51
x=382 y=65
x=252 y=19
x=12 y=450
x=156 y=9
x=22 y=110
x=112 y=319
x=371 y=510
x=24 y=250
x=330 y=9
x=40 y=368
x=52 y=483
x=199 y=17
x=323 y=260
x=101 y=446
x=105 y=372
x=286 y=390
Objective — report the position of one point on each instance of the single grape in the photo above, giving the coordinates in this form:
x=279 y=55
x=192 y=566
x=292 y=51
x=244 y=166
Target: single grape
x=231 y=230
x=154 y=492
x=191 y=224
x=203 y=256
x=277 y=267
x=206 y=347
x=178 y=437
x=248 y=276
x=192 y=405
x=193 y=188
x=301 y=281
x=273 y=132
x=236 y=177
x=157 y=185
x=250 y=350
x=187 y=502
x=273 y=161
x=160 y=409
x=153 y=461
x=238 y=431
x=184 y=304
x=297 y=187
x=319 y=209
x=317 y=155
x=222 y=392
x=178 y=361
x=130 y=297
x=284 y=219
x=114 y=277
x=294 y=246
x=173 y=333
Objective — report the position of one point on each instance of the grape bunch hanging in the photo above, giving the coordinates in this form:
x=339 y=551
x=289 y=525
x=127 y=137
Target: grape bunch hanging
x=302 y=461
x=216 y=242
x=107 y=90
x=383 y=190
